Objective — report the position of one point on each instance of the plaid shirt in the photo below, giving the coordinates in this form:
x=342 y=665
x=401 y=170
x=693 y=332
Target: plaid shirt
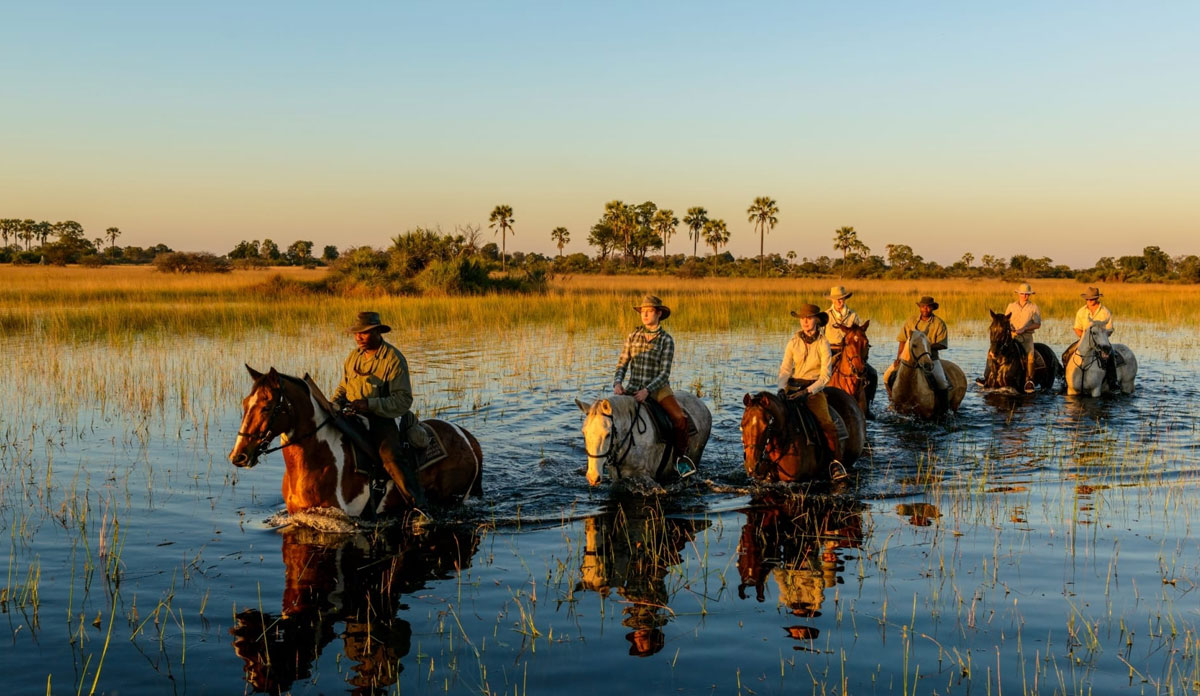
x=648 y=362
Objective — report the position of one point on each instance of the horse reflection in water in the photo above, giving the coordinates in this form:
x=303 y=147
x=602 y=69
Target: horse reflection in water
x=631 y=549
x=339 y=579
x=795 y=540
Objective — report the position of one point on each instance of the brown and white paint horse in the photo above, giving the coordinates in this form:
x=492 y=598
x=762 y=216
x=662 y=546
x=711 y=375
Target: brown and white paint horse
x=320 y=470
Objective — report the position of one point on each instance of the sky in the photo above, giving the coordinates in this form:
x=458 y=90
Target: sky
x=1065 y=129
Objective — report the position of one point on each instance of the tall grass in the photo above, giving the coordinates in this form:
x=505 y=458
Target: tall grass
x=77 y=304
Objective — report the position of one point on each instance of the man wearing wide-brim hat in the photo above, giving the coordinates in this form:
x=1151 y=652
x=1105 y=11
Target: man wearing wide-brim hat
x=839 y=315
x=806 y=368
x=646 y=355
x=933 y=327
x=375 y=384
x=1025 y=318
x=1092 y=311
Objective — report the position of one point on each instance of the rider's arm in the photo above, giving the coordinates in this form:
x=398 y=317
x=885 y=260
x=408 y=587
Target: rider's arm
x=623 y=361
x=397 y=398
x=826 y=355
x=787 y=366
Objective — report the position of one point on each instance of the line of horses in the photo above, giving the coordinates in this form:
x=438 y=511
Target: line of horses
x=780 y=442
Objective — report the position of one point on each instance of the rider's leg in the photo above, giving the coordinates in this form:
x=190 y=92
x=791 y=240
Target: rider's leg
x=386 y=435
x=819 y=405
x=666 y=398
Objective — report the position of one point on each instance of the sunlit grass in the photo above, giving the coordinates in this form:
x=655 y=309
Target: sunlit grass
x=115 y=303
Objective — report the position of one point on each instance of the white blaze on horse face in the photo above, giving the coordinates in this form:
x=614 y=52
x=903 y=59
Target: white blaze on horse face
x=597 y=435
x=251 y=413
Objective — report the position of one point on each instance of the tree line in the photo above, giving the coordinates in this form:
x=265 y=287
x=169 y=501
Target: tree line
x=626 y=238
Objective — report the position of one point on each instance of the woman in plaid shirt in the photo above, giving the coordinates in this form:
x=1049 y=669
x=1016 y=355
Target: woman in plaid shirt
x=646 y=356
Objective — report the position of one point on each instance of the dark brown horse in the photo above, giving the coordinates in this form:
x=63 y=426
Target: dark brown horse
x=1006 y=361
x=851 y=371
x=333 y=580
x=321 y=469
x=777 y=446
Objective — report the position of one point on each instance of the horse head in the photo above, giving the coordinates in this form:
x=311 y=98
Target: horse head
x=598 y=427
x=1000 y=332
x=855 y=343
x=267 y=412
x=1095 y=339
x=917 y=352
x=762 y=421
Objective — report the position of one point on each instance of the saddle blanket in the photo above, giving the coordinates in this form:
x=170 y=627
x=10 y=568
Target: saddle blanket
x=436 y=451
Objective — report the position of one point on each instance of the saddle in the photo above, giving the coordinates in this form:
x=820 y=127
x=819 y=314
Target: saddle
x=663 y=431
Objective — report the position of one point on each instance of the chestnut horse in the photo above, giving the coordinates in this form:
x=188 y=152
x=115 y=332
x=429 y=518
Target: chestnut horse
x=320 y=460
x=851 y=371
x=1006 y=362
x=777 y=448
x=339 y=586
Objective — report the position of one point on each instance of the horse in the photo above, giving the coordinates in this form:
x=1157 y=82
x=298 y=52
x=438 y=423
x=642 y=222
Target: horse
x=1085 y=369
x=1007 y=363
x=346 y=582
x=777 y=447
x=620 y=433
x=910 y=382
x=851 y=371
x=321 y=461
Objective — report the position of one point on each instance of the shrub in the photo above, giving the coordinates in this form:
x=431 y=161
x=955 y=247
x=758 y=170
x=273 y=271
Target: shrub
x=191 y=262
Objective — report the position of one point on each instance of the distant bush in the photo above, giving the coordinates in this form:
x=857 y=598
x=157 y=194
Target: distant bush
x=91 y=261
x=280 y=287
x=191 y=262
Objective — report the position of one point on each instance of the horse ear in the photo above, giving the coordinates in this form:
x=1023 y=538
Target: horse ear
x=606 y=407
x=994 y=315
x=747 y=399
x=1008 y=316
x=582 y=406
x=254 y=374
x=273 y=378
x=866 y=325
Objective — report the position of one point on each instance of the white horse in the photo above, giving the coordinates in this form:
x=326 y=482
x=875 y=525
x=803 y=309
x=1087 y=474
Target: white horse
x=1085 y=369
x=620 y=433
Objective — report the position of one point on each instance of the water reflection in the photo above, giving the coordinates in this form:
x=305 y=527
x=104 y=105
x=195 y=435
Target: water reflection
x=631 y=549
x=919 y=514
x=795 y=539
x=350 y=580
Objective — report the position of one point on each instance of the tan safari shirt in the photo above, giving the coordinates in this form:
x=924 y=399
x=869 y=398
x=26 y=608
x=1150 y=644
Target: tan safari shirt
x=381 y=379
x=935 y=329
x=806 y=361
x=1084 y=318
x=1025 y=319
x=847 y=317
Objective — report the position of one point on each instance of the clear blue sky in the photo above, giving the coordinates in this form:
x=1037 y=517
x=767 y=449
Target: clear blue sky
x=1066 y=130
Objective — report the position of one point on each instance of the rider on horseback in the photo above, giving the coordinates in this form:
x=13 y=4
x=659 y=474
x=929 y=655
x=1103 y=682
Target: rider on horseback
x=375 y=384
x=1025 y=318
x=933 y=327
x=839 y=315
x=1093 y=311
x=647 y=355
x=805 y=371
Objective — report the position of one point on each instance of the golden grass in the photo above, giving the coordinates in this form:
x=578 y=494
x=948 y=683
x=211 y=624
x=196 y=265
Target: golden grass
x=114 y=302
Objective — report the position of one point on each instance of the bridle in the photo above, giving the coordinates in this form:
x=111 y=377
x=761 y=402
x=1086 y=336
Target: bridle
x=769 y=433
x=856 y=365
x=281 y=406
x=619 y=448
x=1093 y=357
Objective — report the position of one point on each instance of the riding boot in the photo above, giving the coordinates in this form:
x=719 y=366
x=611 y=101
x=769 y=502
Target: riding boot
x=941 y=401
x=1029 y=361
x=395 y=455
x=679 y=433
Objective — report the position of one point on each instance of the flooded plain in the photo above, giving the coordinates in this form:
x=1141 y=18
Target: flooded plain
x=1030 y=545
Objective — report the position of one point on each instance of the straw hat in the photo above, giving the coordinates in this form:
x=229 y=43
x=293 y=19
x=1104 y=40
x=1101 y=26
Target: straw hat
x=1091 y=294
x=838 y=292
x=811 y=310
x=1024 y=289
x=368 y=321
x=927 y=300
x=653 y=301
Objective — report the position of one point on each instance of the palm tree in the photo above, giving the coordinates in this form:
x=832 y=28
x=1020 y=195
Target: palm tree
x=8 y=228
x=695 y=219
x=622 y=218
x=716 y=235
x=27 y=231
x=762 y=212
x=502 y=220
x=844 y=240
x=665 y=222
x=112 y=233
x=561 y=236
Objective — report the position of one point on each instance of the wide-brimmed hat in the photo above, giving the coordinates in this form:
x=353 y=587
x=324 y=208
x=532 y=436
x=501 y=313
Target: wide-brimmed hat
x=811 y=310
x=1091 y=294
x=368 y=321
x=927 y=300
x=838 y=292
x=653 y=301
x=1024 y=289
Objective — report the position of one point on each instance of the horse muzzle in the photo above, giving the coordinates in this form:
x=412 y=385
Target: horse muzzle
x=594 y=473
x=242 y=460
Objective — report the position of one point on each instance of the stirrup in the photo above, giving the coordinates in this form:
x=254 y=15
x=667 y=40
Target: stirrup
x=1028 y=386
x=979 y=381
x=685 y=466
x=837 y=471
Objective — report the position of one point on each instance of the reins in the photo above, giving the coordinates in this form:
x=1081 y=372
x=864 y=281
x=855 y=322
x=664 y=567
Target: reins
x=281 y=406
x=619 y=449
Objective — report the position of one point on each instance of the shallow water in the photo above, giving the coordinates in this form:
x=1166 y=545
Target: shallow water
x=1040 y=544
